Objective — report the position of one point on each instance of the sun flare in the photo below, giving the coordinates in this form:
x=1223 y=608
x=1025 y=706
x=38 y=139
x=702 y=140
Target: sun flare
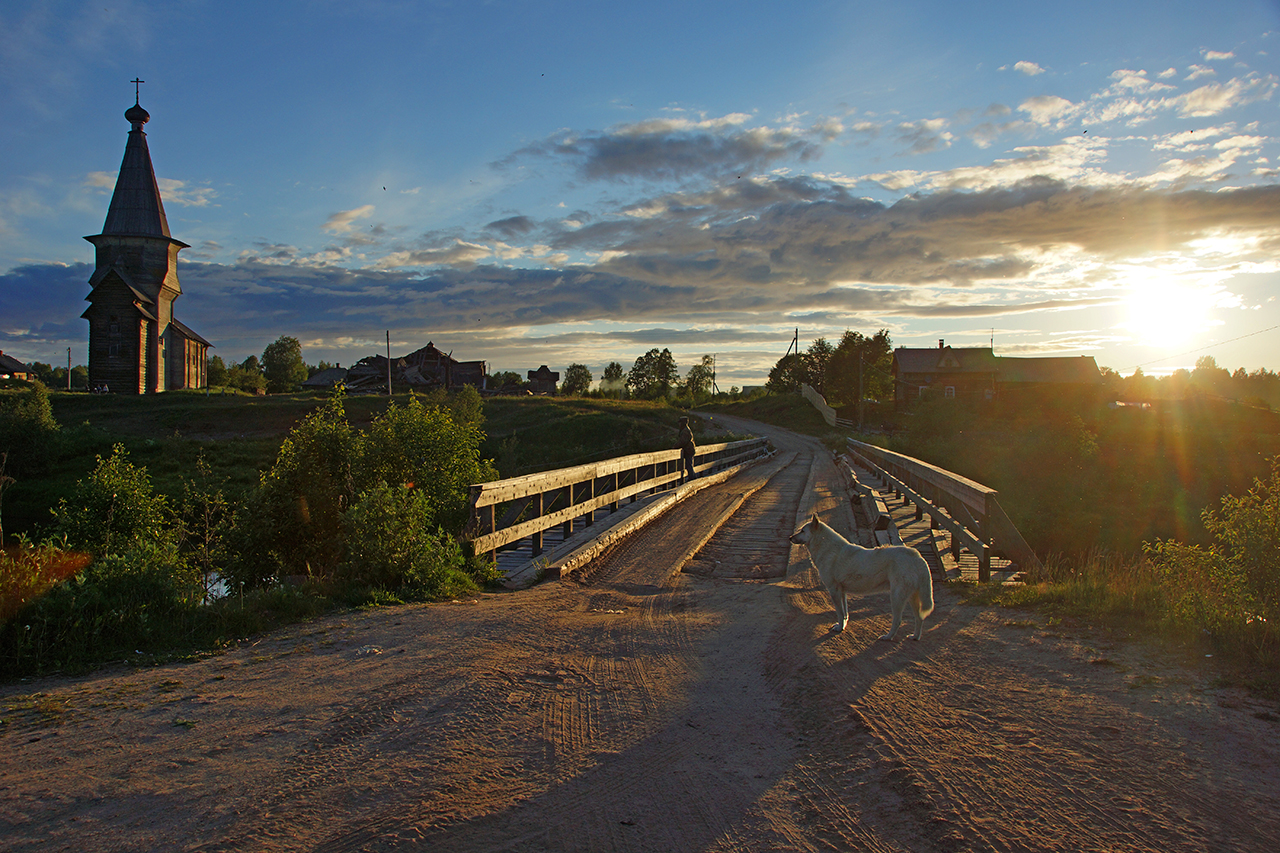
x=1168 y=313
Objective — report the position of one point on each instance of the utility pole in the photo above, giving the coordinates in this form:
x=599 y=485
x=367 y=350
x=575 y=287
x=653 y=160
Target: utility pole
x=68 y=368
x=388 y=364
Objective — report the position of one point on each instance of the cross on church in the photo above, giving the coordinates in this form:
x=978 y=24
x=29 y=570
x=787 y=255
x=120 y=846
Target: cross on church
x=135 y=81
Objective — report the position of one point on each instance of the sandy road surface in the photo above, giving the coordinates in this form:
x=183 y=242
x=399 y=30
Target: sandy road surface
x=644 y=710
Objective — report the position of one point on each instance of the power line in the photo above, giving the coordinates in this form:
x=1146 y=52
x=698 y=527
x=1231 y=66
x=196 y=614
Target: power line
x=1202 y=349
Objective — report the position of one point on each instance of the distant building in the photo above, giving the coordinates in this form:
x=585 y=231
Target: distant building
x=978 y=373
x=424 y=369
x=136 y=346
x=543 y=380
x=11 y=368
x=326 y=379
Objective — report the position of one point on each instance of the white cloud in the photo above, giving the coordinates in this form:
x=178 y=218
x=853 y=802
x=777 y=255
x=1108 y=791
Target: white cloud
x=1212 y=55
x=1134 y=81
x=177 y=192
x=1049 y=110
x=100 y=180
x=1195 y=72
x=343 y=221
x=1216 y=98
x=1028 y=68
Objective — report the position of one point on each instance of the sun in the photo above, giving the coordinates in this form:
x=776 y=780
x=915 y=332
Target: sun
x=1166 y=313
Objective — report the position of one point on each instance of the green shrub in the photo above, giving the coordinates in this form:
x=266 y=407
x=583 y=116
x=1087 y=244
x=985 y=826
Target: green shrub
x=206 y=521
x=392 y=545
x=292 y=523
x=1247 y=527
x=1203 y=589
x=122 y=603
x=114 y=510
x=28 y=432
x=431 y=448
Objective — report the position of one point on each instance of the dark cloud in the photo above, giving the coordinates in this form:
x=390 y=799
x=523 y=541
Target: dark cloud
x=678 y=150
x=40 y=307
x=511 y=227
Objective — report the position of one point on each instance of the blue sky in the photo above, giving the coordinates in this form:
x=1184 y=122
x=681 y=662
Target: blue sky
x=555 y=182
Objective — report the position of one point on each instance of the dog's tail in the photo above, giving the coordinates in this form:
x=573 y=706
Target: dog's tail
x=926 y=595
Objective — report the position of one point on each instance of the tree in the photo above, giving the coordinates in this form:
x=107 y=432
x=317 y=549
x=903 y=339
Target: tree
x=788 y=374
x=283 y=366
x=216 y=371
x=653 y=375
x=577 y=380
x=876 y=356
x=816 y=359
x=698 y=379
x=506 y=379
x=612 y=381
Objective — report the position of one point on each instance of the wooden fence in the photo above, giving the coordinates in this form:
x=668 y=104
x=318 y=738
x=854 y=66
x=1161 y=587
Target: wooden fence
x=973 y=514
x=505 y=511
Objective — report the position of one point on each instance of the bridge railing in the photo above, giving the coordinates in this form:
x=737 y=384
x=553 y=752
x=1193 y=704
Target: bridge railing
x=973 y=515
x=506 y=511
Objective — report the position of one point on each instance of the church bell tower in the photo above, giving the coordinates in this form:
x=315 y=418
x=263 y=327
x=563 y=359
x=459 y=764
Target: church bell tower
x=135 y=344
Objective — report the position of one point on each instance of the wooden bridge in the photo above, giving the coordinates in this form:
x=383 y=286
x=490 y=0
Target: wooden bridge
x=553 y=523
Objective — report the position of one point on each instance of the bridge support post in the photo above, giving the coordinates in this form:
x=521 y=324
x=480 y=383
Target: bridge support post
x=536 y=539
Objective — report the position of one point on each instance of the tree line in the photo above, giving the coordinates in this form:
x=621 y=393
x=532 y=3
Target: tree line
x=857 y=366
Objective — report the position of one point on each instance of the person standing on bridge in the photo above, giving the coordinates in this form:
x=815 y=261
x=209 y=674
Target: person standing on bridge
x=687 y=451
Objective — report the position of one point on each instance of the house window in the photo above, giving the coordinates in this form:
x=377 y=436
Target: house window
x=115 y=328
x=113 y=350
x=949 y=391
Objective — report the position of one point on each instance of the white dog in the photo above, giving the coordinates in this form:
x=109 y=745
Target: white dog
x=848 y=569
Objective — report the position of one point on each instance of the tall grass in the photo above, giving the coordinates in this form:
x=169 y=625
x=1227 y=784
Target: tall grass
x=1175 y=593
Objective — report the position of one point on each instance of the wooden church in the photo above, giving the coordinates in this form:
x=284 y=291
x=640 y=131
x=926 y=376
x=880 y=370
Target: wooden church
x=136 y=345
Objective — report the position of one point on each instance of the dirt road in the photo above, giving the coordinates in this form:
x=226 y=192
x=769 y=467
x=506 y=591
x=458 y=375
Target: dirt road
x=639 y=709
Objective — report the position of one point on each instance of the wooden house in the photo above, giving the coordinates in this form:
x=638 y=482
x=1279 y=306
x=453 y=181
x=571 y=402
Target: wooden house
x=543 y=380
x=977 y=373
x=11 y=368
x=962 y=373
x=136 y=346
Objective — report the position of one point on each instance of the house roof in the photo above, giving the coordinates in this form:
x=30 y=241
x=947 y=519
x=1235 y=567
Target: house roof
x=1080 y=369
x=429 y=355
x=101 y=274
x=944 y=360
x=185 y=330
x=9 y=364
